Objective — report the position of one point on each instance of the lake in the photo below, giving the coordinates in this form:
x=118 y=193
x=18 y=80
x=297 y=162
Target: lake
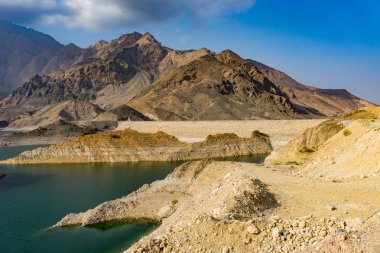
x=34 y=197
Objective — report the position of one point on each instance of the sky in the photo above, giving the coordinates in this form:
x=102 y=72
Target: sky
x=323 y=43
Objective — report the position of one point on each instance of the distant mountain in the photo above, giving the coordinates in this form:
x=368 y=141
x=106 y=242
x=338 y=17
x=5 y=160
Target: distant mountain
x=330 y=102
x=25 y=52
x=165 y=84
x=107 y=73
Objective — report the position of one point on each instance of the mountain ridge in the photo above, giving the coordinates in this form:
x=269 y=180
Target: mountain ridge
x=137 y=70
x=25 y=52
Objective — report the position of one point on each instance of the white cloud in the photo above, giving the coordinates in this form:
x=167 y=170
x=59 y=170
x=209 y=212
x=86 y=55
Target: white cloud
x=98 y=14
x=41 y=4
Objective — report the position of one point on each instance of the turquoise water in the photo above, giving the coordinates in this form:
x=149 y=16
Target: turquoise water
x=32 y=198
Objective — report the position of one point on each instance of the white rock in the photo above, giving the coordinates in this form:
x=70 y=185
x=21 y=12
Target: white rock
x=165 y=211
x=253 y=230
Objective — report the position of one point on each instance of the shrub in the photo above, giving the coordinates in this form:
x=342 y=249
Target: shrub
x=306 y=150
x=293 y=163
x=174 y=202
x=346 y=132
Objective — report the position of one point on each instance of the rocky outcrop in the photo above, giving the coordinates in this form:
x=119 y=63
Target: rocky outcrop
x=129 y=145
x=340 y=148
x=179 y=197
x=300 y=149
x=121 y=113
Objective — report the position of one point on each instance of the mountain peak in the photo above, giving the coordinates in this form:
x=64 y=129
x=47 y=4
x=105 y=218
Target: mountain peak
x=228 y=56
x=147 y=38
x=129 y=37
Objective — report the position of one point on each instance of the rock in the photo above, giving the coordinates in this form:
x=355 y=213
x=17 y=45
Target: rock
x=354 y=224
x=276 y=232
x=253 y=230
x=330 y=207
x=225 y=250
x=166 y=211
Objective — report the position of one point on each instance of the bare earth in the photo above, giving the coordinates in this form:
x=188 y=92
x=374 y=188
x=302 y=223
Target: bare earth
x=279 y=131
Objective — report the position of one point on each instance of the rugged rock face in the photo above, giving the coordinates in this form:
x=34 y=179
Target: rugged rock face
x=107 y=73
x=121 y=113
x=130 y=145
x=69 y=110
x=328 y=102
x=25 y=52
x=216 y=87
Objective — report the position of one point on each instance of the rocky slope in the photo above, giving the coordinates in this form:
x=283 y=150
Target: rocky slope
x=69 y=110
x=130 y=145
x=25 y=52
x=121 y=113
x=216 y=87
x=329 y=102
x=340 y=148
x=49 y=134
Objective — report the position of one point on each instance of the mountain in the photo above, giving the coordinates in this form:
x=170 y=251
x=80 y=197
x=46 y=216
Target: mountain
x=216 y=87
x=25 y=52
x=161 y=83
x=107 y=73
x=330 y=102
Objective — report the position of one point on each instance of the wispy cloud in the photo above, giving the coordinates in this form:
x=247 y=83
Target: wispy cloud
x=99 y=14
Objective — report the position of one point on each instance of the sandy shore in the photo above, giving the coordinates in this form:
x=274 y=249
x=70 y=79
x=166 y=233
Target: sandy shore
x=280 y=131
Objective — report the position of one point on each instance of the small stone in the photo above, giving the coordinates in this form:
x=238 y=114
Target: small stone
x=225 y=250
x=330 y=207
x=253 y=230
x=363 y=176
x=323 y=233
x=276 y=232
x=247 y=241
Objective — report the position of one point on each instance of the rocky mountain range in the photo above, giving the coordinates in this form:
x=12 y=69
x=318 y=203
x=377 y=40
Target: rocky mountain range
x=160 y=83
x=25 y=52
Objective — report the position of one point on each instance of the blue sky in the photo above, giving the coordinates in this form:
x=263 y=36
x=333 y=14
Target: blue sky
x=328 y=44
